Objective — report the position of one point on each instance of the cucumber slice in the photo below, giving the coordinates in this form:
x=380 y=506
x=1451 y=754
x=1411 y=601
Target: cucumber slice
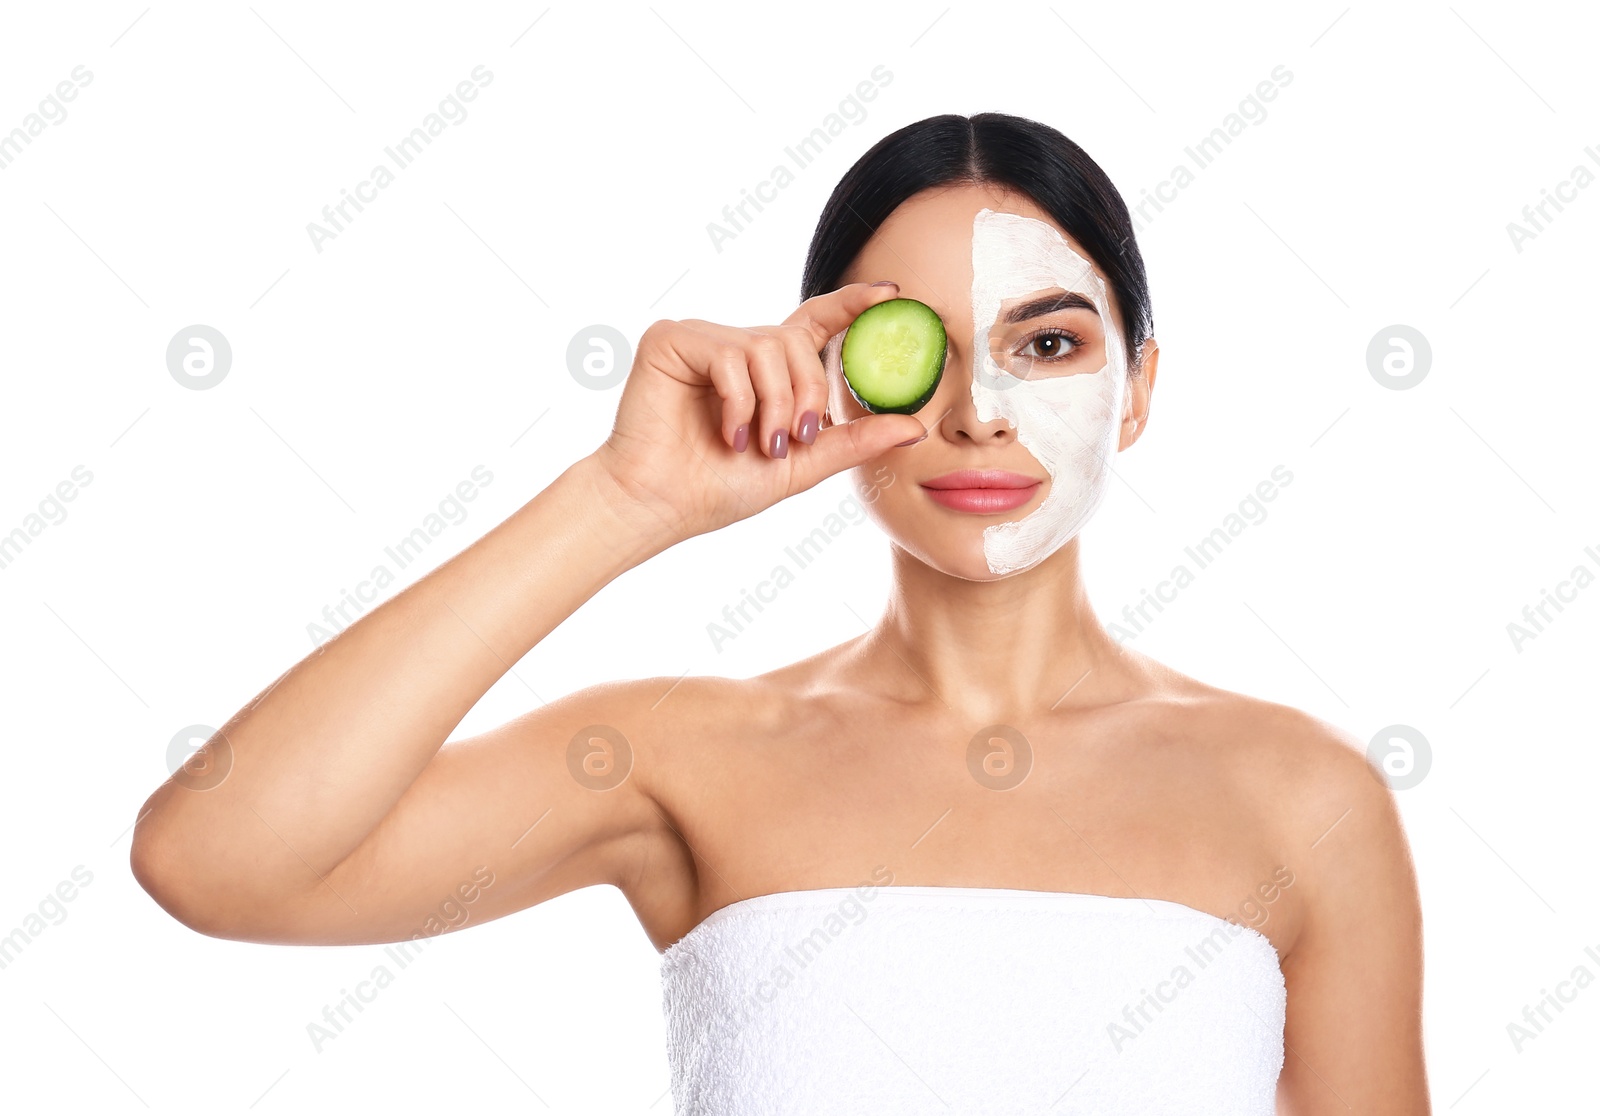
x=893 y=356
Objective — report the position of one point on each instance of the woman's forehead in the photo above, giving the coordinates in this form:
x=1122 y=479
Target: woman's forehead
x=926 y=246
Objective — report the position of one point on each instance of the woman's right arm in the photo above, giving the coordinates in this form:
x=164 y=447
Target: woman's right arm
x=341 y=817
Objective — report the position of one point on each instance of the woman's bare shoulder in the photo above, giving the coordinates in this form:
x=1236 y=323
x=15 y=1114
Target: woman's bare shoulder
x=673 y=713
x=1306 y=769
x=1326 y=808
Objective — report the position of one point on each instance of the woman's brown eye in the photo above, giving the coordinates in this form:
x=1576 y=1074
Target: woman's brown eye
x=1049 y=346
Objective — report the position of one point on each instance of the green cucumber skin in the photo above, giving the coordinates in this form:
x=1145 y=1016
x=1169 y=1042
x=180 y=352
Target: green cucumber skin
x=917 y=404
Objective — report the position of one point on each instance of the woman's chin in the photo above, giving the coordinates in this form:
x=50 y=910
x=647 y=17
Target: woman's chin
x=968 y=562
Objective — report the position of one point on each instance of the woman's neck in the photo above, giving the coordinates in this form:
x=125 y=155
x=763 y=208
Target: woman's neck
x=988 y=650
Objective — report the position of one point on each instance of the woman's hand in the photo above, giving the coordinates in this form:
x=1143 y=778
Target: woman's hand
x=717 y=423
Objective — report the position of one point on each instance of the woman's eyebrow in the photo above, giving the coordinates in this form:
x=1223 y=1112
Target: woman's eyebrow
x=1047 y=304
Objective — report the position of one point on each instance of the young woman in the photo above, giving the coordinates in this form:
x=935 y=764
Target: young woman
x=981 y=858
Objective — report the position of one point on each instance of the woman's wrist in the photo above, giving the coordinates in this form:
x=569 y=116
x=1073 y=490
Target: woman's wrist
x=625 y=521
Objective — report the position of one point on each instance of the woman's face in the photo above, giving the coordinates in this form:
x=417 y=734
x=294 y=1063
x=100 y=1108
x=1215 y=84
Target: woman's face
x=1035 y=385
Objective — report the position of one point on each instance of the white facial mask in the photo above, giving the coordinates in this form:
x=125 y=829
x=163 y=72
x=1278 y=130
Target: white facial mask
x=1070 y=423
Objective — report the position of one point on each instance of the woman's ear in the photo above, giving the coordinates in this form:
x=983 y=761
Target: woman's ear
x=1149 y=356
x=1141 y=382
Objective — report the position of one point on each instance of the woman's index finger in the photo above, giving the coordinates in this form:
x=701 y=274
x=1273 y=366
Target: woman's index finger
x=827 y=314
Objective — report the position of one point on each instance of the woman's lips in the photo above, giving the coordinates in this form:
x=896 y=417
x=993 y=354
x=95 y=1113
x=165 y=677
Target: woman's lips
x=982 y=500
x=984 y=491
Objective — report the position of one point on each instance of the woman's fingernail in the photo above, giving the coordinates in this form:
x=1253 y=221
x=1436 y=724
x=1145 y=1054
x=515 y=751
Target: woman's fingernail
x=885 y=283
x=741 y=437
x=808 y=427
x=912 y=441
x=780 y=442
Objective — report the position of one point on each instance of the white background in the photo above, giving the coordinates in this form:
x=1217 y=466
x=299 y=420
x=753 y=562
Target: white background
x=430 y=337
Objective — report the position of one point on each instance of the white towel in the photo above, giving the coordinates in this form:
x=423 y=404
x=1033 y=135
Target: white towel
x=956 y=1000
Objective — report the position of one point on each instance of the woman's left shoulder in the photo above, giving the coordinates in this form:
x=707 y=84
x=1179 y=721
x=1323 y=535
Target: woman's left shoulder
x=1298 y=758
x=1329 y=815
x=1310 y=777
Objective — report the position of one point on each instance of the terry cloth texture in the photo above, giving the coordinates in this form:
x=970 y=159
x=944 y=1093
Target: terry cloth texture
x=956 y=1001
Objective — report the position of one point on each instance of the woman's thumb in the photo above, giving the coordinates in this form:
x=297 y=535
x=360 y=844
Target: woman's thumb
x=842 y=447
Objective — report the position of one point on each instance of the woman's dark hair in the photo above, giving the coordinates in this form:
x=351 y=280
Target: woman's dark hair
x=1030 y=158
